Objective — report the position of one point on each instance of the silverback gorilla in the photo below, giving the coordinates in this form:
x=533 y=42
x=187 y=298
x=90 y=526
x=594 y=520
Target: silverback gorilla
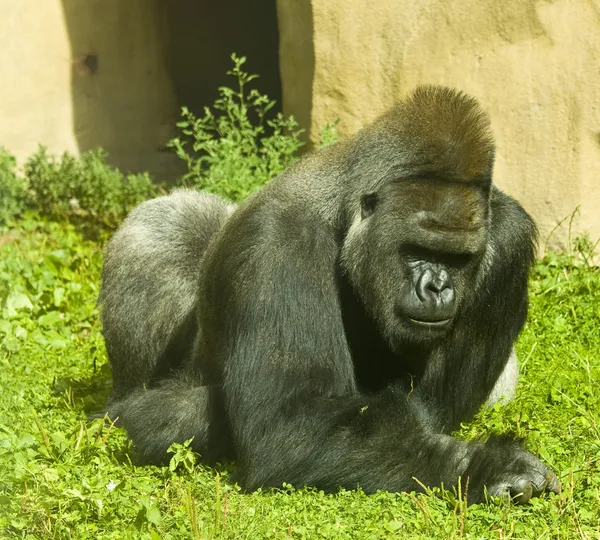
x=333 y=329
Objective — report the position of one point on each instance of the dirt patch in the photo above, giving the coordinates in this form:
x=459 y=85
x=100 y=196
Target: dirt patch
x=7 y=238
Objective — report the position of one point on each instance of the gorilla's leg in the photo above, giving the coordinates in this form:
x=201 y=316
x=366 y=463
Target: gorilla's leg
x=506 y=385
x=150 y=283
x=180 y=410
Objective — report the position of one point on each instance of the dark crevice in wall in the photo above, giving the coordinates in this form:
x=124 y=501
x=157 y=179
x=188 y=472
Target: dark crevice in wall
x=204 y=34
x=136 y=63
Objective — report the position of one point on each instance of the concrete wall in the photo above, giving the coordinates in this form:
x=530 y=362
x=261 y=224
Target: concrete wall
x=77 y=74
x=532 y=63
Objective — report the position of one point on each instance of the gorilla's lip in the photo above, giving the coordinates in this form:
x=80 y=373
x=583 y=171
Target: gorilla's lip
x=442 y=323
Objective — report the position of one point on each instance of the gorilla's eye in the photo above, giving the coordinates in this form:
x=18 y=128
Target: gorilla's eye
x=368 y=203
x=415 y=253
x=458 y=260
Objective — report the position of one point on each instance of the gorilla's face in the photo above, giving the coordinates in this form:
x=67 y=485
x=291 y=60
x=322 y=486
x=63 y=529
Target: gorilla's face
x=413 y=255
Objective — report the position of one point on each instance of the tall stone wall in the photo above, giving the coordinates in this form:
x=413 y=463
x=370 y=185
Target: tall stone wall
x=76 y=75
x=532 y=63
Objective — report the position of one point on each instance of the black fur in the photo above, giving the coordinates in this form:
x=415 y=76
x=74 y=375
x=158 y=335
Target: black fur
x=341 y=322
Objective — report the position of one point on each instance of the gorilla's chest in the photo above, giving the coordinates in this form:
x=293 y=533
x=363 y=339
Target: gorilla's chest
x=375 y=364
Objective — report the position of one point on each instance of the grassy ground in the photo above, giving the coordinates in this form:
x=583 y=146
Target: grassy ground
x=64 y=477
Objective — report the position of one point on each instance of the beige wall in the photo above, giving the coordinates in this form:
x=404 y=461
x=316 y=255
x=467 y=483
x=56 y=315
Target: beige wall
x=48 y=95
x=533 y=64
x=34 y=73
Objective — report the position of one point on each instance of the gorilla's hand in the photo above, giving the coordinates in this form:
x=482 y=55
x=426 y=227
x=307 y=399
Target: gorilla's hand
x=501 y=468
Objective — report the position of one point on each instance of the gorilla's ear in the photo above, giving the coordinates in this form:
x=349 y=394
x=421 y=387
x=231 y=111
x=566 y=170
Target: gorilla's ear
x=368 y=203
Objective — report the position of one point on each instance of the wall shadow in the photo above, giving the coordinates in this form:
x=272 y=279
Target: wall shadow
x=136 y=63
x=297 y=61
x=204 y=34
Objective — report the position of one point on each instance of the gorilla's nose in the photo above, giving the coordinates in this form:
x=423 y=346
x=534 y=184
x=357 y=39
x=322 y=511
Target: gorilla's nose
x=436 y=292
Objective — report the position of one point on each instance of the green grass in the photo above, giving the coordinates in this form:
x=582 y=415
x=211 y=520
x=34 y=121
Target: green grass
x=62 y=476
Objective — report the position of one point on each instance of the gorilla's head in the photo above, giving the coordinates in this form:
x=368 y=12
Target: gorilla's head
x=418 y=227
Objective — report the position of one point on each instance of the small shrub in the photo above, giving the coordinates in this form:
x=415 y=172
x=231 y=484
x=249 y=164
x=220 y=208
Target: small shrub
x=85 y=187
x=329 y=134
x=12 y=189
x=236 y=148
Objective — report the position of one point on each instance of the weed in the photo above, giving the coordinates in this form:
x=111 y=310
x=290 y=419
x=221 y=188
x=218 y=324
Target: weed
x=236 y=147
x=12 y=188
x=85 y=187
x=329 y=135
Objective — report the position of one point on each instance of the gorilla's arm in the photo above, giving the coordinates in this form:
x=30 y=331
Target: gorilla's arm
x=289 y=386
x=465 y=368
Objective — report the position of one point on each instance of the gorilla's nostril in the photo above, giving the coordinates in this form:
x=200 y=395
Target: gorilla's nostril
x=437 y=286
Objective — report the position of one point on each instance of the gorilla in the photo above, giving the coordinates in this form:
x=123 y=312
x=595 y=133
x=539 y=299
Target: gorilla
x=337 y=326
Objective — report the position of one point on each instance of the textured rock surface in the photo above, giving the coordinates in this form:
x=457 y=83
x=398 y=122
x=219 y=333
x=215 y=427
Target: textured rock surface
x=533 y=65
x=77 y=75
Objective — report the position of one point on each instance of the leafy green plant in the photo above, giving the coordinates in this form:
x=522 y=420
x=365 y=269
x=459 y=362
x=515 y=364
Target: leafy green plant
x=85 y=187
x=183 y=458
x=329 y=134
x=12 y=188
x=238 y=146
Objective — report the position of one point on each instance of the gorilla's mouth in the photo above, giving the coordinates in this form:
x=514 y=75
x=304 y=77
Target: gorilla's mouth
x=433 y=325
